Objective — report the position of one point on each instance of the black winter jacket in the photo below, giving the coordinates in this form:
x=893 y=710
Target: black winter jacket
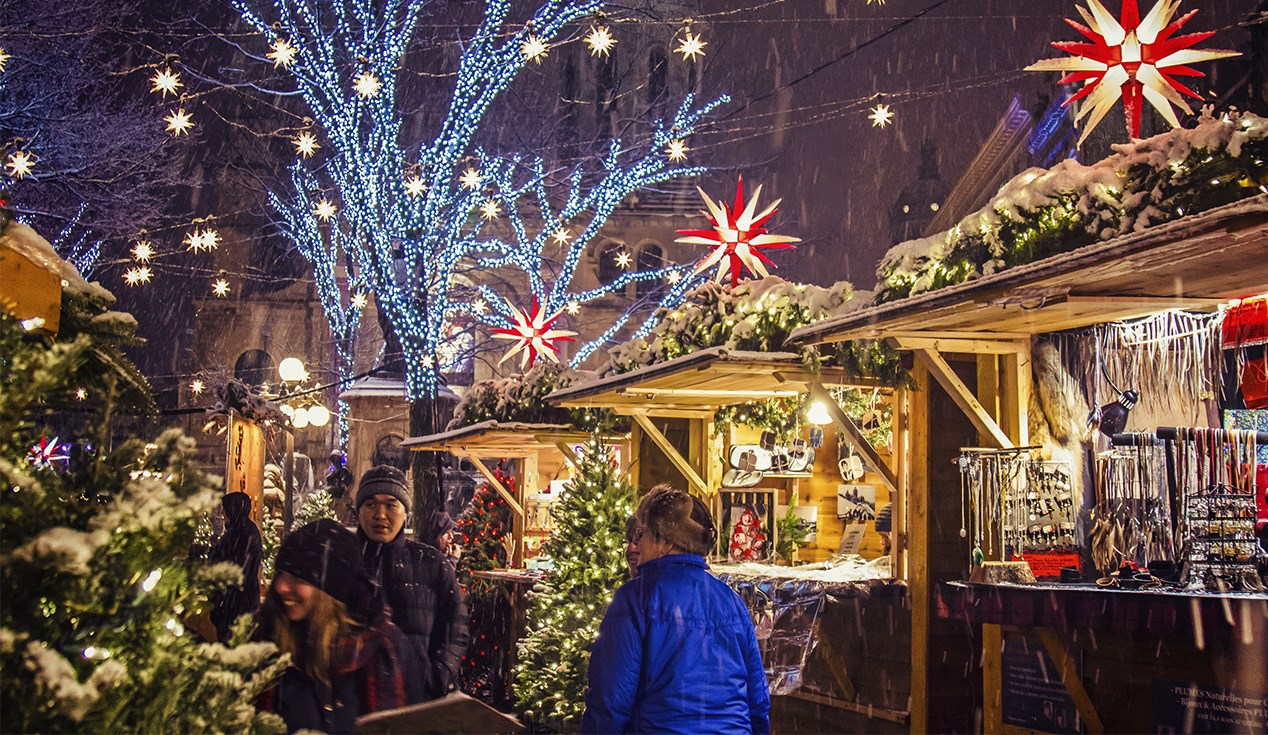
x=426 y=604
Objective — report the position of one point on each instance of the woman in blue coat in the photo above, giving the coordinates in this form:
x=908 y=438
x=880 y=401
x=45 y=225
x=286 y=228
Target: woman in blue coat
x=676 y=652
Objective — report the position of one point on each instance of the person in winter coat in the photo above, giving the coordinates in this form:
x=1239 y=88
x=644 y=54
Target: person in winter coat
x=439 y=534
x=676 y=652
x=417 y=582
x=240 y=544
x=347 y=658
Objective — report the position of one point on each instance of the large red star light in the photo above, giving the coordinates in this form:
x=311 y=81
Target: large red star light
x=737 y=236
x=533 y=335
x=1131 y=58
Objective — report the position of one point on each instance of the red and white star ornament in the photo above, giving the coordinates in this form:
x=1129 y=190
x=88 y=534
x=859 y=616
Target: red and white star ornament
x=47 y=452
x=533 y=335
x=1133 y=58
x=737 y=237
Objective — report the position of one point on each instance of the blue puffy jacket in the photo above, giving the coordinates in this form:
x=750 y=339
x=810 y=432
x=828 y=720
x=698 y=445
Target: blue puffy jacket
x=676 y=653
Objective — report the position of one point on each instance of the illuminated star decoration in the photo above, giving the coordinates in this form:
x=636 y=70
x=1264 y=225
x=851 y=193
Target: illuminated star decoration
x=881 y=116
x=533 y=335
x=479 y=306
x=360 y=301
x=414 y=186
x=673 y=277
x=324 y=210
x=143 y=251
x=534 y=49
x=691 y=46
x=283 y=54
x=306 y=144
x=47 y=452
x=1131 y=58
x=81 y=394
x=20 y=163
x=562 y=236
x=677 y=150
x=166 y=81
x=737 y=236
x=200 y=240
x=220 y=287
x=490 y=209
x=4 y=59
x=623 y=259
x=137 y=274
x=574 y=308
x=179 y=122
x=197 y=387
x=367 y=85
x=470 y=178
x=600 y=41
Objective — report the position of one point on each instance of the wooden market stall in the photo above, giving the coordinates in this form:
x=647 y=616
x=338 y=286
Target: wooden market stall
x=849 y=672
x=1122 y=660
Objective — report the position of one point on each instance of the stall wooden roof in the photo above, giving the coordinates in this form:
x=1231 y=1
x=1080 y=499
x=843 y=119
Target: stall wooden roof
x=1195 y=262
x=494 y=439
x=696 y=384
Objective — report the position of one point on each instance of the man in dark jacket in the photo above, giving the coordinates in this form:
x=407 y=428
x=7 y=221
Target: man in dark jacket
x=415 y=578
x=241 y=545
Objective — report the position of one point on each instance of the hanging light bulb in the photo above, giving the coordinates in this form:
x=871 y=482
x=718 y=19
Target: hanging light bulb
x=817 y=414
x=318 y=415
x=300 y=418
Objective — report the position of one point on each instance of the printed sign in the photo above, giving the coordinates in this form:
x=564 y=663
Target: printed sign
x=244 y=472
x=1186 y=707
x=1033 y=695
x=852 y=539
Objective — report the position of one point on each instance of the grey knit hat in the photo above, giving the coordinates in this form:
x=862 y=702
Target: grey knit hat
x=384 y=480
x=885 y=519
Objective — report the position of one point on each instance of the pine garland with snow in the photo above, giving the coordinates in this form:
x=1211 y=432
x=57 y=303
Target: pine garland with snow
x=317 y=504
x=522 y=398
x=1040 y=212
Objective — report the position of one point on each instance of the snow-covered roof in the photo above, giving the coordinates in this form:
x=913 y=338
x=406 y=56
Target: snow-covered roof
x=510 y=438
x=35 y=248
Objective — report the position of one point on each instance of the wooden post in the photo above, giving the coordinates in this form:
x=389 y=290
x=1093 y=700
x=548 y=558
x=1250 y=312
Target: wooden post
x=902 y=470
x=288 y=484
x=918 y=540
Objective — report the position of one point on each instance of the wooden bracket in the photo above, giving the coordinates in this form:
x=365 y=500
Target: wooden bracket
x=963 y=397
x=854 y=435
x=569 y=455
x=495 y=484
x=1064 y=662
x=675 y=458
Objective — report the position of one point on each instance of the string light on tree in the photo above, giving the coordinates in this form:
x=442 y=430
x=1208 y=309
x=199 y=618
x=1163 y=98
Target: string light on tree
x=692 y=46
x=325 y=210
x=881 y=116
x=367 y=85
x=137 y=274
x=283 y=54
x=600 y=41
x=166 y=81
x=677 y=150
x=737 y=236
x=534 y=49
x=1132 y=58
x=143 y=251
x=220 y=287
x=179 y=122
x=306 y=144
x=20 y=163
x=532 y=333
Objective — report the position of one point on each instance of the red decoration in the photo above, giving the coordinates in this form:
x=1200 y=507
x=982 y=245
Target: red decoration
x=532 y=333
x=737 y=236
x=1133 y=58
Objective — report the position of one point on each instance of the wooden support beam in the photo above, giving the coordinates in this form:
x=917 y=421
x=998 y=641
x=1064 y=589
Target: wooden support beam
x=992 y=678
x=837 y=666
x=569 y=455
x=1069 y=672
x=871 y=712
x=987 y=344
x=498 y=486
x=918 y=539
x=963 y=397
x=902 y=470
x=855 y=435
x=676 y=459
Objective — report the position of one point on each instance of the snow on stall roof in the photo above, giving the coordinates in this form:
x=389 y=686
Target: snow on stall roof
x=483 y=426
x=22 y=239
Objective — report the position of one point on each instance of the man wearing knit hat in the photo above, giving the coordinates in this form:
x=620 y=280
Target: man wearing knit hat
x=419 y=585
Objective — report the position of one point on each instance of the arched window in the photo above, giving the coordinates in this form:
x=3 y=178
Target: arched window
x=254 y=367
x=650 y=257
x=609 y=268
x=657 y=75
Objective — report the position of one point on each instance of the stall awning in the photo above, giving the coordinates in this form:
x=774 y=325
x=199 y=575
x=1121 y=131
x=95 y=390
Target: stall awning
x=1195 y=262
x=695 y=385
x=493 y=439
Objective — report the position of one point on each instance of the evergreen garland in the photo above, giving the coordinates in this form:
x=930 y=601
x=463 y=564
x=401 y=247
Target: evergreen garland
x=587 y=547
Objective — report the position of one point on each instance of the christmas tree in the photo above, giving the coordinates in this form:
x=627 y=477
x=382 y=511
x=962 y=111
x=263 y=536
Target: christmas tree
x=587 y=547
x=317 y=504
x=482 y=533
x=94 y=547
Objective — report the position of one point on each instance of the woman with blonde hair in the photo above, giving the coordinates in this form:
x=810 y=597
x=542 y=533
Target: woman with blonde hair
x=347 y=658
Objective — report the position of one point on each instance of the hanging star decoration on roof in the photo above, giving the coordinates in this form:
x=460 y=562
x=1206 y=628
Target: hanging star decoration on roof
x=47 y=452
x=676 y=150
x=533 y=336
x=367 y=85
x=623 y=259
x=691 y=46
x=4 y=59
x=673 y=277
x=306 y=144
x=179 y=122
x=534 y=49
x=20 y=163
x=600 y=41
x=166 y=81
x=1132 y=58
x=197 y=387
x=737 y=236
x=490 y=209
x=283 y=54
x=881 y=116
x=81 y=394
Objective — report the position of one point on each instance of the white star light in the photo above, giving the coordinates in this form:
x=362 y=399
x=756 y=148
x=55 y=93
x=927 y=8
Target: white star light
x=691 y=46
x=623 y=259
x=677 y=150
x=600 y=41
x=490 y=209
x=414 y=186
x=673 y=277
x=220 y=288
x=367 y=85
x=81 y=394
x=283 y=54
x=4 y=59
x=574 y=308
x=359 y=301
x=200 y=240
x=166 y=81
x=471 y=179
x=427 y=362
x=479 y=307
x=137 y=274
x=881 y=116
x=306 y=144
x=20 y=163
x=197 y=387
x=562 y=236
x=534 y=49
x=179 y=122
x=324 y=210
x=143 y=251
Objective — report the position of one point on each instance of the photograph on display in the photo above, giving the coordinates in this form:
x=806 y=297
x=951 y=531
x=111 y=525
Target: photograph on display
x=856 y=502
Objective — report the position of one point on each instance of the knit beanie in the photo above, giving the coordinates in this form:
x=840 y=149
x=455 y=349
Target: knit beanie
x=677 y=517
x=328 y=556
x=885 y=519
x=439 y=523
x=383 y=480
